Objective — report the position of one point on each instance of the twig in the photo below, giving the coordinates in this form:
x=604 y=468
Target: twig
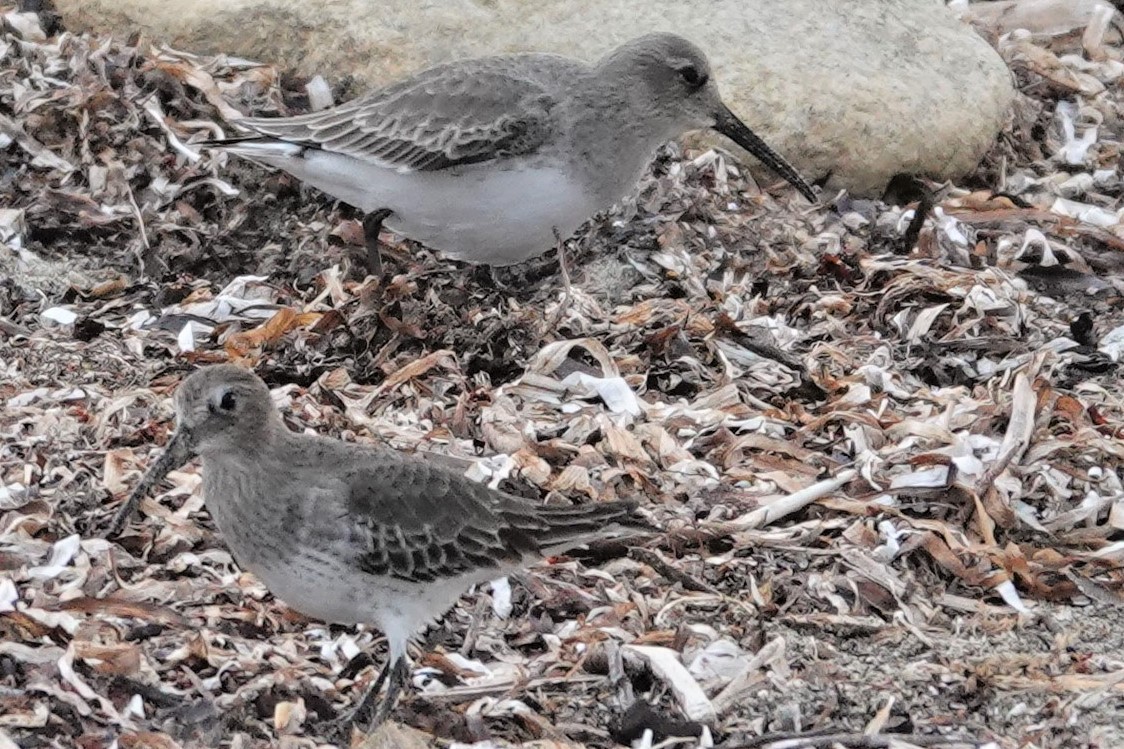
x=807 y=388
x=736 y=691
x=152 y=108
x=847 y=740
x=140 y=225
x=9 y=327
x=40 y=153
x=672 y=573
x=785 y=506
x=1019 y=430
x=725 y=324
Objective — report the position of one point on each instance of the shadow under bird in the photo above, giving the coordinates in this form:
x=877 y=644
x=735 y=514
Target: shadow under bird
x=351 y=533
x=494 y=160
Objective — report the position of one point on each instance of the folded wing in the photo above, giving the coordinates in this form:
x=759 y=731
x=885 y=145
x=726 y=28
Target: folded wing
x=451 y=115
x=418 y=522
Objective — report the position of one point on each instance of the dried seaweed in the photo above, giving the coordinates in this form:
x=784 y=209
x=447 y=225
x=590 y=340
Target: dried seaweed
x=891 y=480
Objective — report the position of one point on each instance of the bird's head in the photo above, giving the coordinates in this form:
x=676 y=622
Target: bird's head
x=671 y=79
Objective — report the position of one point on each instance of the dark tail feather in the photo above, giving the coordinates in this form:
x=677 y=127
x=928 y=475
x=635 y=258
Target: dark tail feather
x=554 y=529
x=231 y=141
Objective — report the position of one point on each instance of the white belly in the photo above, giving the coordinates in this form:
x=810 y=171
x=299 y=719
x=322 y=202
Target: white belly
x=492 y=217
x=324 y=588
x=476 y=214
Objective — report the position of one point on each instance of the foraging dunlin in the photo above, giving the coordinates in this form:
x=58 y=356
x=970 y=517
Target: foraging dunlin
x=487 y=159
x=350 y=533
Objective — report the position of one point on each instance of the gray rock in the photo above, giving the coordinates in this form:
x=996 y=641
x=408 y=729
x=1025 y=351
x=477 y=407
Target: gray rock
x=1042 y=18
x=863 y=89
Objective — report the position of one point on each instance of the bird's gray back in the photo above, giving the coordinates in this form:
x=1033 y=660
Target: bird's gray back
x=402 y=517
x=454 y=114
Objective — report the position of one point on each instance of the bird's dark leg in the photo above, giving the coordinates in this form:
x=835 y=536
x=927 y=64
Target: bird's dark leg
x=399 y=673
x=361 y=711
x=372 y=225
x=394 y=675
x=913 y=231
x=905 y=188
x=564 y=303
x=563 y=269
x=341 y=727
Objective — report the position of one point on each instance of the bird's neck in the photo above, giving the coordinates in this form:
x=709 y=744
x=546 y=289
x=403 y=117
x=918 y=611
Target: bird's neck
x=617 y=129
x=237 y=476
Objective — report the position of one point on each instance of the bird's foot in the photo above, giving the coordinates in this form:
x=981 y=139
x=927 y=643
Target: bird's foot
x=500 y=285
x=338 y=731
x=367 y=715
x=363 y=719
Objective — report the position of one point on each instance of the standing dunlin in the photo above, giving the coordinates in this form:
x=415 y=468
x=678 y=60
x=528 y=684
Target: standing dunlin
x=488 y=159
x=350 y=533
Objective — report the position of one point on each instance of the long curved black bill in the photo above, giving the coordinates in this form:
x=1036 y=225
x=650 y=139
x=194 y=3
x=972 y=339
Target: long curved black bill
x=727 y=123
x=178 y=451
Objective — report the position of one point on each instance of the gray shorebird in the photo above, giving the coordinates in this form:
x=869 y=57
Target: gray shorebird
x=349 y=533
x=486 y=160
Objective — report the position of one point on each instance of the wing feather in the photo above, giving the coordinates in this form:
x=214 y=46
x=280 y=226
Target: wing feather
x=419 y=522
x=462 y=113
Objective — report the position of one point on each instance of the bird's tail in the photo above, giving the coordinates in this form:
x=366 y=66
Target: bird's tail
x=555 y=529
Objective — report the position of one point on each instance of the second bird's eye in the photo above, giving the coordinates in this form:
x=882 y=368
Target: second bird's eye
x=692 y=76
x=227 y=402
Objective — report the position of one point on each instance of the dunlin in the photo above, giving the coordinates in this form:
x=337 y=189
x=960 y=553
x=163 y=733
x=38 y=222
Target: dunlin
x=349 y=533
x=487 y=159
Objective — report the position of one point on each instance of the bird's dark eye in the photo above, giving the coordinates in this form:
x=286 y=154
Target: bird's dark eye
x=692 y=76
x=227 y=402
